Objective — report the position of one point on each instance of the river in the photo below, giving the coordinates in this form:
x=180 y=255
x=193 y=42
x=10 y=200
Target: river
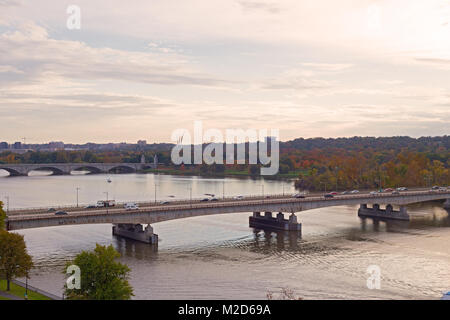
x=220 y=257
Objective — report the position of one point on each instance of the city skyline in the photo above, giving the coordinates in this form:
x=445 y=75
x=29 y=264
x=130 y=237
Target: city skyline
x=353 y=68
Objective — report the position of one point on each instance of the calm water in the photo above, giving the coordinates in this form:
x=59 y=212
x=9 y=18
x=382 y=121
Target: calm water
x=221 y=257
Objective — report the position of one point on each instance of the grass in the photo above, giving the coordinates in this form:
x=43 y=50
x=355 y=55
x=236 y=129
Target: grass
x=3 y=298
x=19 y=291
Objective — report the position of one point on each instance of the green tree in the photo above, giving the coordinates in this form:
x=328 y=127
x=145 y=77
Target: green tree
x=102 y=277
x=2 y=217
x=14 y=259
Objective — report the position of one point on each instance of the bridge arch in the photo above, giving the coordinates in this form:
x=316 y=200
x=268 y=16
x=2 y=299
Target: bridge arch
x=91 y=169
x=55 y=171
x=122 y=169
x=12 y=172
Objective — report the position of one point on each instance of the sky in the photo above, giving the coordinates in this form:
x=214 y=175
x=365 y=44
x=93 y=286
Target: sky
x=145 y=68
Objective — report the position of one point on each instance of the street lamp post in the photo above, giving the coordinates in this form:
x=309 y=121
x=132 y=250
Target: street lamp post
x=7 y=204
x=223 y=189
x=155 y=192
x=26 y=287
x=337 y=171
x=78 y=189
x=107 y=202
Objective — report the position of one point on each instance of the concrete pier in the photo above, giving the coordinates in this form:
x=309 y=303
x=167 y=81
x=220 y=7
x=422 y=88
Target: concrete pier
x=388 y=213
x=277 y=223
x=136 y=232
x=447 y=204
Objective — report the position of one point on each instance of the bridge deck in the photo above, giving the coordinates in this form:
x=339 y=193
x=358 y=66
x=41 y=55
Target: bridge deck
x=157 y=212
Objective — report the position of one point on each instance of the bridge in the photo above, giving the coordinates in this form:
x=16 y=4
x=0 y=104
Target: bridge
x=129 y=222
x=67 y=168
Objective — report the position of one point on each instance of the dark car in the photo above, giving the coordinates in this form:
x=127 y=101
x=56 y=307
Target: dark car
x=91 y=206
x=328 y=195
x=204 y=199
x=60 y=213
x=213 y=199
x=51 y=210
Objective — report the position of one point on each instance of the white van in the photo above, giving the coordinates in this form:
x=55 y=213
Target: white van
x=131 y=206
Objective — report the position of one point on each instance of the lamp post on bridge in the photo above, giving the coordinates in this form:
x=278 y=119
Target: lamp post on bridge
x=107 y=202
x=7 y=204
x=336 y=171
x=325 y=185
x=78 y=189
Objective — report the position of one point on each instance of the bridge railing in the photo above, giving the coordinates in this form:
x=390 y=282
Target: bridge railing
x=34 y=210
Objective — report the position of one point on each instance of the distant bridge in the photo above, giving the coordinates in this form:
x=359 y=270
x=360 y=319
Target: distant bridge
x=67 y=168
x=149 y=214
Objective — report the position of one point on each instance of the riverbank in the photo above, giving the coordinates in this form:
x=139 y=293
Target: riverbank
x=17 y=292
x=226 y=173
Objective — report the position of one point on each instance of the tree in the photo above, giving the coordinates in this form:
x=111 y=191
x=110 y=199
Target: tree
x=14 y=259
x=102 y=277
x=2 y=217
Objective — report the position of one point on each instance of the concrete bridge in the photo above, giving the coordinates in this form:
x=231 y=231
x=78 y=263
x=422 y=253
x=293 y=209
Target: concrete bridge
x=67 y=168
x=149 y=214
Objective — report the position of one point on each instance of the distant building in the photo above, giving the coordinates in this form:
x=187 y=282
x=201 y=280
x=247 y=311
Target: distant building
x=142 y=143
x=4 y=145
x=56 y=145
x=17 y=145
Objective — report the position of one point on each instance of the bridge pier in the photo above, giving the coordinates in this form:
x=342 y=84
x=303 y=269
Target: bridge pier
x=388 y=213
x=276 y=223
x=136 y=232
x=447 y=204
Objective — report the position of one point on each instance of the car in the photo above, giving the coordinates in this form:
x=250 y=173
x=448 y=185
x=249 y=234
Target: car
x=345 y=192
x=328 y=195
x=60 y=213
x=354 y=191
x=131 y=206
x=299 y=196
x=435 y=188
x=373 y=193
x=402 y=189
x=388 y=190
x=213 y=199
x=164 y=202
x=204 y=200
x=334 y=193
x=238 y=197
x=51 y=210
x=395 y=192
x=91 y=206
x=442 y=189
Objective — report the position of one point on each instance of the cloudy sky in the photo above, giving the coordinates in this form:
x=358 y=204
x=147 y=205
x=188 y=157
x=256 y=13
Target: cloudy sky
x=142 y=69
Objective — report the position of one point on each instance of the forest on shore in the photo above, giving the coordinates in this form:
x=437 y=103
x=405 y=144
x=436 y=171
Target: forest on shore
x=316 y=163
